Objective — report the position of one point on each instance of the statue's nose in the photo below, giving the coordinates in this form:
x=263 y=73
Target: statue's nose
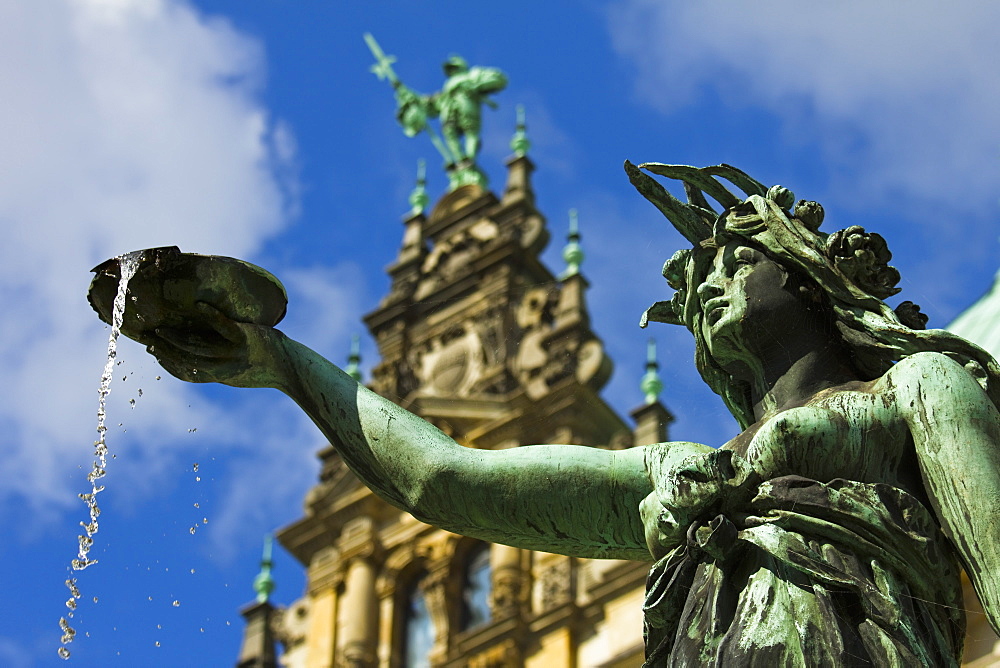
x=707 y=290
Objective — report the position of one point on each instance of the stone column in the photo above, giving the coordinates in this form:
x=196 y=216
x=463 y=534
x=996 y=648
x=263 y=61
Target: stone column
x=518 y=186
x=326 y=578
x=257 y=650
x=507 y=580
x=358 y=618
x=651 y=421
x=434 y=587
x=357 y=614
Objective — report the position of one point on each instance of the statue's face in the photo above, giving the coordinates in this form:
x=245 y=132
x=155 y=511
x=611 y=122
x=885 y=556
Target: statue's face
x=747 y=302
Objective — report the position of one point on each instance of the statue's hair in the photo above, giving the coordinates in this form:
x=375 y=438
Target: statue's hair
x=850 y=267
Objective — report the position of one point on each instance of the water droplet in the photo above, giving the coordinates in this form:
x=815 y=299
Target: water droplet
x=95 y=599
x=193 y=430
x=68 y=632
x=197 y=478
x=202 y=629
x=193 y=529
x=71 y=604
x=195 y=466
x=192 y=571
x=204 y=520
x=140 y=391
x=157 y=378
x=159 y=626
x=177 y=604
x=149 y=598
x=131 y=402
x=64 y=653
x=157 y=643
x=197 y=505
x=227 y=623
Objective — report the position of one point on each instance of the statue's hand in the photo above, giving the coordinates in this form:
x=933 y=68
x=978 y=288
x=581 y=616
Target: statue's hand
x=218 y=349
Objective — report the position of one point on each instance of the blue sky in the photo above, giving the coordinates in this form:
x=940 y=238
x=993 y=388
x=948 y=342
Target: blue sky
x=255 y=129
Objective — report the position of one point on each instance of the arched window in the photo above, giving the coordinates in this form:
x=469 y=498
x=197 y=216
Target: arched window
x=476 y=588
x=418 y=629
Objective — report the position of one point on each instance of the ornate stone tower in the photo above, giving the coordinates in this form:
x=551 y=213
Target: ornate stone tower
x=477 y=336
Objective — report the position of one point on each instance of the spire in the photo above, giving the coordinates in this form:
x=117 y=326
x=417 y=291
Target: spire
x=354 y=359
x=572 y=252
x=263 y=584
x=258 y=647
x=519 y=166
x=651 y=385
x=419 y=197
x=520 y=143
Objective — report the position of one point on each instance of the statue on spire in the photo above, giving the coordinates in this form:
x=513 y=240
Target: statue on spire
x=458 y=105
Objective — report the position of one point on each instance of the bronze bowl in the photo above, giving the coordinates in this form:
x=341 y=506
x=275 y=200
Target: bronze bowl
x=168 y=284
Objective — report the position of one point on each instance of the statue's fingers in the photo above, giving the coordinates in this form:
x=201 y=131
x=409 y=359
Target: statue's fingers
x=206 y=343
x=220 y=322
x=175 y=361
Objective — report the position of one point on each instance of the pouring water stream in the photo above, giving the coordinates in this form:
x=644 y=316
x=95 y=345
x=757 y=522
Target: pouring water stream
x=128 y=264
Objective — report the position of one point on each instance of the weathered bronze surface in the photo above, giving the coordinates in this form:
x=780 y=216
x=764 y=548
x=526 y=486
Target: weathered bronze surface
x=458 y=106
x=178 y=288
x=831 y=531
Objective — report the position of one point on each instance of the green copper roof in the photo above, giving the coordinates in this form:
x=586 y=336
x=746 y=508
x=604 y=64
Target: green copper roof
x=980 y=323
x=354 y=359
x=519 y=143
x=572 y=252
x=263 y=584
x=651 y=385
x=419 y=197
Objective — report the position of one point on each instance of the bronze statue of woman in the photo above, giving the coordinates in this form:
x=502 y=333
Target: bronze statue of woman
x=831 y=531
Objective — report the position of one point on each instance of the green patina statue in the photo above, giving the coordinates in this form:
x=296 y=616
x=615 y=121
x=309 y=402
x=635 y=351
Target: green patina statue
x=831 y=531
x=458 y=106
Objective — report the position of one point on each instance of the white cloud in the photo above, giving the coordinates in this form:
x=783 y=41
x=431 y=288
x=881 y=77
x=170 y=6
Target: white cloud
x=127 y=124
x=904 y=98
x=325 y=305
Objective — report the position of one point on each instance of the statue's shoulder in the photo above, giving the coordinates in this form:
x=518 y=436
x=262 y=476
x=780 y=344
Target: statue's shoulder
x=488 y=76
x=929 y=377
x=925 y=364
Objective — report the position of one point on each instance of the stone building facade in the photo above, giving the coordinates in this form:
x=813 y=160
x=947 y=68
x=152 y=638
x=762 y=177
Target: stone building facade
x=477 y=336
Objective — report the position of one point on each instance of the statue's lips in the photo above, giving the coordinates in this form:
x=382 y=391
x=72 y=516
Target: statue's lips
x=714 y=308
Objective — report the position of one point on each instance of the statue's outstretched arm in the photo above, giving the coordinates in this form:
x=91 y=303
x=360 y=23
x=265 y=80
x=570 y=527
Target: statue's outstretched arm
x=572 y=500
x=956 y=431
x=567 y=499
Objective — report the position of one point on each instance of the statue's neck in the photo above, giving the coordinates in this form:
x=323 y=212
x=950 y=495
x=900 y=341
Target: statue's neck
x=792 y=375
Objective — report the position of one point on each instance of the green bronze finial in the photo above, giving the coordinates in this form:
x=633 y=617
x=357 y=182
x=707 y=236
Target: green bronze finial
x=419 y=198
x=651 y=385
x=263 y=584
x=458 y=105
x=354 y=359
x=520 y=143
x=572 y=252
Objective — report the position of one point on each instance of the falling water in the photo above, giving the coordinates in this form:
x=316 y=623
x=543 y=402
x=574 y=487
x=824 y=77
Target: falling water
x=128 y=264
